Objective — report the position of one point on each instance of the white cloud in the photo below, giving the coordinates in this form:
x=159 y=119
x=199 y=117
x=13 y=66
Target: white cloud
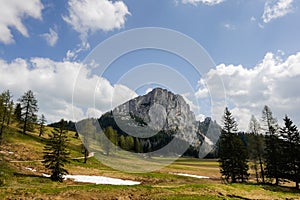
x=206 y=2
x=276 y=8
x=229 y=26
x=274 y=82
x=11 y=15
x=53 y=83
x=73 y=54
x=88 y=16
x=51 y=37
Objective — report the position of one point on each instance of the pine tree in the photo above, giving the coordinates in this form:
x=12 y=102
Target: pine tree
x=29 y=109
x=18 y=113
x=110 y=140
x=291 y=151
x=138 y=148
x=272 y=151
x=5 y=110
x=232 y=152
x=256 y=148
x=122 y=142
x=42 y=121
x=56 y=154
x=129 y=143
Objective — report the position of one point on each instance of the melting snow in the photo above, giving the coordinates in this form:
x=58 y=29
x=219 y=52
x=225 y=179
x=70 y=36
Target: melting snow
x=98 y=180
x=30 y=169
x=191 y=175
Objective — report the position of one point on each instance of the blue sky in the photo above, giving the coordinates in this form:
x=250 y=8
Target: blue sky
x=254 y=45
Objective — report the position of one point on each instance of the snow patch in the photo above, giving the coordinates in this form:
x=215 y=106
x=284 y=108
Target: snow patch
x=98 y=180
x=190 y=175
x=30 y=169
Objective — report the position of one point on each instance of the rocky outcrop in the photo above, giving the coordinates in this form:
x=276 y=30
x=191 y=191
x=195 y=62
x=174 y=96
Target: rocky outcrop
x=158 y=110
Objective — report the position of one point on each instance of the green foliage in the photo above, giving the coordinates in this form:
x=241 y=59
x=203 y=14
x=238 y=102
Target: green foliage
x=110 y=142
x=56 y=154
x=29 y=109
x=18 y=112
x=290 y=160
x=70 y=126
x=6 y=107
x=138 y=148
x=256 y=149
x=232 y=152
x=42 y=122
x=272 y=151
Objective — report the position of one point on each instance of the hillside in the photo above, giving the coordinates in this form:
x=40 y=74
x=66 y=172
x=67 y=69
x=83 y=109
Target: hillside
x=159 y=117
x=21 y=177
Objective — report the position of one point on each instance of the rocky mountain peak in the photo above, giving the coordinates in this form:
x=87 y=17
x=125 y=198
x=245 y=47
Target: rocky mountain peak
x=157 y=110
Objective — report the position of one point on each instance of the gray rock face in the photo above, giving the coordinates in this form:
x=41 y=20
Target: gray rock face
x=158 y=110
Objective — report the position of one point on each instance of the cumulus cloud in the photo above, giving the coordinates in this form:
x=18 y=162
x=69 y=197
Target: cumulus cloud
x=11 y=15
x=51 y=37
x=53 y=83
x=206 y=2
x=276 y=8
x=88 y=16
x=273 y=82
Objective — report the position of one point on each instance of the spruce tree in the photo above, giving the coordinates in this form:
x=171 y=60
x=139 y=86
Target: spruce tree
x=110 y=140
x=272 y=150
x=29 y=109
x=138 y=148
x=232 y=153
x=42 y=121
x=256 y=148
x=18 y=113
x=56 y=154
x=5 y=110
x=291 y=151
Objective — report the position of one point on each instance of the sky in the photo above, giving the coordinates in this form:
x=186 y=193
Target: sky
x=254 y=45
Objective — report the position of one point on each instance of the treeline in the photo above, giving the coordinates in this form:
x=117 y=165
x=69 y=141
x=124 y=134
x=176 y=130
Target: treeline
x=23 y=112
x=273 y=152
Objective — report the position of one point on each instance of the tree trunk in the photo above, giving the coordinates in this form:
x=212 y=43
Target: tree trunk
x=256 y=173
x=277 y=181
x=86 y=154
x=26 y=118
x=262 y=170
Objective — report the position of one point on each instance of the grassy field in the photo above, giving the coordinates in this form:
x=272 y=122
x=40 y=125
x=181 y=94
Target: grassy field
x=17 y=182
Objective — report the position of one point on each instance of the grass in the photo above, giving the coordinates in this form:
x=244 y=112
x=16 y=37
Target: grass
x=19 y=183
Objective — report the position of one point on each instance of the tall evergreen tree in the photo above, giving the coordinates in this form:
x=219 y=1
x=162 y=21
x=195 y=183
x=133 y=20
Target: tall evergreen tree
x=138 y=148
x=232 y=153
x=42 y=122
x=5 y=110
x=291 y=151
x=110 y=141
x=56 y=154
x=272 y=151
x=256 y=148
x=18 y=113
x=29 y=109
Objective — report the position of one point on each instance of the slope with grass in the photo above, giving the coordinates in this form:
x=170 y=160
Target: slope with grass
x=24 y=180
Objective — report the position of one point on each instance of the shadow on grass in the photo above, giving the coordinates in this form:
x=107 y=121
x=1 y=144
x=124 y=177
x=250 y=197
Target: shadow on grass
x=29 y=175
x=280 y=188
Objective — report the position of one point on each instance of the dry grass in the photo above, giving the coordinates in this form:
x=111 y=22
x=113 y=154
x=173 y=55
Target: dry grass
x=21 y=183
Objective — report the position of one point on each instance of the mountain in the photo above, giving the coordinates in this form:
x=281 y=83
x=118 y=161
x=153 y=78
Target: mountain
x=157 y=118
